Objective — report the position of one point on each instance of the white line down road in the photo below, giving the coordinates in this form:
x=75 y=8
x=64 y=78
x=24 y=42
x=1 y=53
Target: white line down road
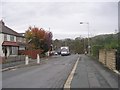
x=70 y=77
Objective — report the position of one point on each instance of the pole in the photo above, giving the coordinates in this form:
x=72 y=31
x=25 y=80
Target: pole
x=38 y=59
x=88 y=36
x=84 y=46
x=88 y=41
x=26 y=60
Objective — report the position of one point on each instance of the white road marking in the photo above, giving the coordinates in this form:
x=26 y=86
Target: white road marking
x=69 y=80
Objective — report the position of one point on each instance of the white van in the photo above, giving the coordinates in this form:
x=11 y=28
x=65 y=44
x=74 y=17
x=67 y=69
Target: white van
x=65 y=51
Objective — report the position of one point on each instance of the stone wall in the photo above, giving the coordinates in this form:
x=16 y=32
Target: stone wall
x=111 y=59
x=108 y=58
x=102 y=56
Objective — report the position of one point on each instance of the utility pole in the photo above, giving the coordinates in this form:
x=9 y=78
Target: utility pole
x=88 y=40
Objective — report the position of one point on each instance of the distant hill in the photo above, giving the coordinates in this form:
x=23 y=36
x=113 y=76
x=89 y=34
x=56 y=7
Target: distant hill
x=79 y=44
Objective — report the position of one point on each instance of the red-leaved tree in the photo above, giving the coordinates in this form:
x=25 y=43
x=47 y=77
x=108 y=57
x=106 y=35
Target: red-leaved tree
x=38 y=38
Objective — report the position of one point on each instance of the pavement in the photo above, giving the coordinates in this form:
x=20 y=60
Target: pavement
x=92 y=74
x=21 y=64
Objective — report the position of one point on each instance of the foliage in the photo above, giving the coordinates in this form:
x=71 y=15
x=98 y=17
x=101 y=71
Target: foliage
x=79 y=44
x=95 y=50
x=38 y=38
x=75 y=46
x=109 y=41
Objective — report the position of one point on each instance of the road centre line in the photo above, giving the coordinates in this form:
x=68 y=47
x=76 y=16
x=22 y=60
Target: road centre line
x=70 y=77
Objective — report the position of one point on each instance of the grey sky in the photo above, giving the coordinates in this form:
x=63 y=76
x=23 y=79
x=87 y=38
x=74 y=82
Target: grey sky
x=63 y=18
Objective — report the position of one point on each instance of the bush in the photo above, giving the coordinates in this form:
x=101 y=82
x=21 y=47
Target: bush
x=95 y=50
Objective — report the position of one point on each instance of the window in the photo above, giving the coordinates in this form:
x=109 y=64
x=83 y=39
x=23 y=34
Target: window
x=17 y=39
x=10 y=48
x=13 y=50
x=11 y=38
x=5 y=37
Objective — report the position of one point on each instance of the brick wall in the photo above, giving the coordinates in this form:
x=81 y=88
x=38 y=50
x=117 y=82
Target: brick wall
x=108 y=58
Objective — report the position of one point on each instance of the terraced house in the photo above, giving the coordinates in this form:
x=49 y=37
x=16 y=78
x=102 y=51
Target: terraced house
x=10 y=41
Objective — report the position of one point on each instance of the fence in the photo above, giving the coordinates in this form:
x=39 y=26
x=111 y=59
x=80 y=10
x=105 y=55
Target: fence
x=109 y=58
x=31 y=53
x=13 y=61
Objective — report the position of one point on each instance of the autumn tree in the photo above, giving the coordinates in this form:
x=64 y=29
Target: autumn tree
x=38 y=38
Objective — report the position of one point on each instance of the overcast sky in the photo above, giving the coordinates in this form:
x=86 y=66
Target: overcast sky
x=63 y=18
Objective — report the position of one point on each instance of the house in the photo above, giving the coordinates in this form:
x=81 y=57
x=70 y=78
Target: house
x=10 y=41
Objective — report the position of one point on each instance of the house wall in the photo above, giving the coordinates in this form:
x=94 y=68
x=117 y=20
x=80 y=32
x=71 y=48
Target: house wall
x=1 y=41
x=21 y=39
x=15 y=39
x=8 y=51
x=8 y=37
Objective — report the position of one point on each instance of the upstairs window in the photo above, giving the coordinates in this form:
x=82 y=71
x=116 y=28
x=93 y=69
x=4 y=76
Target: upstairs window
x=17 y=39
x=5 y=37
x=11 y=38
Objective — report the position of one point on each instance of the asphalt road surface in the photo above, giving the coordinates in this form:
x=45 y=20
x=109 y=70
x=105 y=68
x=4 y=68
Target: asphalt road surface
x=92 y=74
x=53 y=74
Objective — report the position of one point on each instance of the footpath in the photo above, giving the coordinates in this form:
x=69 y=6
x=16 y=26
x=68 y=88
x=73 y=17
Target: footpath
x=92 y=74
x=20 y=63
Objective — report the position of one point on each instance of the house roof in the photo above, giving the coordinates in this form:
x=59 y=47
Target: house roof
x=16 y=44
x=6 y=30
x=9 y=43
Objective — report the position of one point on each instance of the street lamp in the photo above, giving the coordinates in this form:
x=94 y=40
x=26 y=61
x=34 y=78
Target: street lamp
x=88 y=36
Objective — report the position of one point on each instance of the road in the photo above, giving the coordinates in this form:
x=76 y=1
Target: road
x=54 y=74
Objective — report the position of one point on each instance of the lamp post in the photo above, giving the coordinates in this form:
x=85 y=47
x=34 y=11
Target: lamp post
x=88 y=35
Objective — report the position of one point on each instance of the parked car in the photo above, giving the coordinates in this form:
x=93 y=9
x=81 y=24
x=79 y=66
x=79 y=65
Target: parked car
x=55 y=53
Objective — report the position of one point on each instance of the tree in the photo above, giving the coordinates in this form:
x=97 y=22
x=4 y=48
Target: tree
x=38 y=38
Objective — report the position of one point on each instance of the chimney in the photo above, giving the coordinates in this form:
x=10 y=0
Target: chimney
x=1 y=22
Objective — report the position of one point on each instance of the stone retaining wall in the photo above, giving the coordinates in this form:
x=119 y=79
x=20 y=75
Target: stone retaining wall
x=108 y=58
x=102 y=56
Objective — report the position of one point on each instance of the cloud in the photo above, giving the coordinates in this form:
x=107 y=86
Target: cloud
x=61 y=0
x=0 y=10
x=62 y=17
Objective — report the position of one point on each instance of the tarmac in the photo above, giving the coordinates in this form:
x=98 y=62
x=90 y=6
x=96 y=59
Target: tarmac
x=91 y=73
